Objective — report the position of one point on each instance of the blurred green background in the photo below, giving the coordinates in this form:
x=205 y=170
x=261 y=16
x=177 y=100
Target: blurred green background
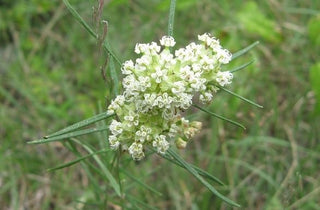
x=50 y=77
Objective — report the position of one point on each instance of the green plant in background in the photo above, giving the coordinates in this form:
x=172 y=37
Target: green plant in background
x=50 y=77
x=314 y=30
x=156 y=88
x=315 y=84
x=256 y=23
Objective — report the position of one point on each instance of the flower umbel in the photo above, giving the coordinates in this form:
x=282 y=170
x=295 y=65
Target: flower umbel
x=158 y=86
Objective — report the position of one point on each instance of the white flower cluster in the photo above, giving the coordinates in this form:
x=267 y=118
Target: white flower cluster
x=158 y=86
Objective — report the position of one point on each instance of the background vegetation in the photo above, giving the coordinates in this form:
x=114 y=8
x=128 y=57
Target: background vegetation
x=50 y=77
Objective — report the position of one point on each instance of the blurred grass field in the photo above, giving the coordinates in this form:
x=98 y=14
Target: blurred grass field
x=50 y=77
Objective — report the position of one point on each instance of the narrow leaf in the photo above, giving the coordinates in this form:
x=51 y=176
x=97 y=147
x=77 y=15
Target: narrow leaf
x=85 y=165
x=141 y=182
x=243 y=51
x=87 y=27
x=145 y=205
x=81 y=124
x=171 y=17
x=241 y=67
x=107 y=47
x=189 y=168
x=104 y=169
x=77 y=16
x=242 y=98
x=75 y=161
x=114 y=77
x=220 y=117
x=199 y=170
x=69 y=135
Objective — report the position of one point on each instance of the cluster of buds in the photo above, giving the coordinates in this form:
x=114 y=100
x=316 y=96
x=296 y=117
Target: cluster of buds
x=158 y=86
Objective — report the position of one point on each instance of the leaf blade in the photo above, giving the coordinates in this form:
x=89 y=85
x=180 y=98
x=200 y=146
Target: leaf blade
x=199 y=170
x=204 y=182
x=77 y=16
x=114 y=77
x=171 y=17
x=241 y=97
x=104 y=169
x=107 y=47
x=241 y=67
x=140 y=182
x=69 y=135
x=220 y=117
x=75 y=161
x=81 y=124
x=244 y=50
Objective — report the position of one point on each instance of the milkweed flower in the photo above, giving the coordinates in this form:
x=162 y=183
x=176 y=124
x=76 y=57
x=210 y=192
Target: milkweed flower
x=158 y=86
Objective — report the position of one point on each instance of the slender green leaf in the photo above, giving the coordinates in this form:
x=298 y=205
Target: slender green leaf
x=241 y=67
x=199 y=170
x=87 y=27
x=171 y=17
x=85 y=165
x=70 y=144
x=77 y=16
x=141 y=182
x=189 y=168
x=75 y=161
x=243 y=51
x=114 y=77
x=220 y=117
x=242 y=98
x=69 y=135
x=81 y=124
x=107 y=47
x=145 y=205
x=104 y=169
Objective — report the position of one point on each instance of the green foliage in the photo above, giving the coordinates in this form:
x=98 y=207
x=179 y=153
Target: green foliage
x=255 y=22
x=315 y=84
x=20 y=12
x=314 y=30
x=50 y=77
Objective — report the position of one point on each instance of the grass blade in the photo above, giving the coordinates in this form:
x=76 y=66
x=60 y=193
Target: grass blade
x=81 y=124
x=263 y=140
x=104 y=169
x=75 y=161
x=220 y=117
x=241 y=67
x=171 y=17
x=244 y=50
x=189 y=168
x=252 y=168
x=199 y=170
x=114 y=77
x=77 y=16
x=141 y=182
x=242 y=98
x=69 y=135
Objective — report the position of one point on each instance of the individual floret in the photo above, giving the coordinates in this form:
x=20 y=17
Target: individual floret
x=167 y=41
x=224 y=78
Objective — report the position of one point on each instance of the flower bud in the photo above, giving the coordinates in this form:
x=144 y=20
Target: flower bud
x=180 y=143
